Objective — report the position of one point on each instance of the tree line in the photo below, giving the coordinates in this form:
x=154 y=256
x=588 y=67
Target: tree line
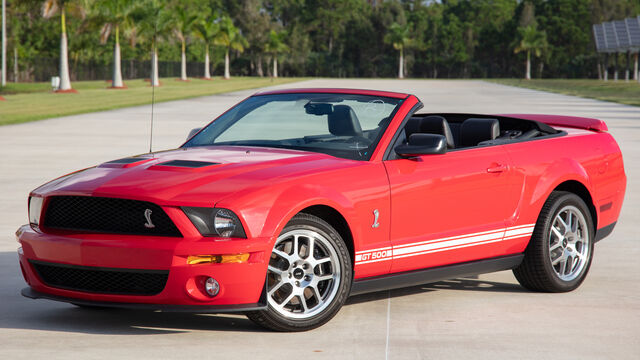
x=333 y=38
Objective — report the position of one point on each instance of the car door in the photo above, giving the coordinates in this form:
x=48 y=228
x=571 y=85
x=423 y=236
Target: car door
x=449 y=208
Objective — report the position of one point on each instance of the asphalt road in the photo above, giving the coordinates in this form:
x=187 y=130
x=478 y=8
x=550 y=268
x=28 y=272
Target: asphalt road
x=482 y=318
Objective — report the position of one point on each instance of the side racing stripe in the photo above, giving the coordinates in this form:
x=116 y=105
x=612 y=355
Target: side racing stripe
x=443 y=244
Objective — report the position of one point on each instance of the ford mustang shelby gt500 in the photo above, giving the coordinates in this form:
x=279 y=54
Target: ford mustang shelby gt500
x=293 y=200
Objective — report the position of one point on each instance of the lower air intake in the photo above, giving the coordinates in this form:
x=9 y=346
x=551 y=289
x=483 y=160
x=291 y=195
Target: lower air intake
x=101 y=280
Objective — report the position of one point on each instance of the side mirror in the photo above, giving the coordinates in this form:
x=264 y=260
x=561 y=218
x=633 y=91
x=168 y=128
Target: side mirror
x=193 y=132
x=423 y=144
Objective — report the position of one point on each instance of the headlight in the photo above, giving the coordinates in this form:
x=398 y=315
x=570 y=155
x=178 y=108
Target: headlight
x=215 y=222
x=35 y=208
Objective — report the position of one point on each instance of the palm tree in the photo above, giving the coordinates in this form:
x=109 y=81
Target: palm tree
x=183 y=21
x=398 y=36
x=230 y=38
x=153 y=23
x=531 y=40
x=49 y=9
x=275 y=46
x=115 y=14
x=206 y=29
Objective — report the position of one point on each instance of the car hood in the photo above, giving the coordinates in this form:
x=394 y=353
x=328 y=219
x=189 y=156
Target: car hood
x=198 y=176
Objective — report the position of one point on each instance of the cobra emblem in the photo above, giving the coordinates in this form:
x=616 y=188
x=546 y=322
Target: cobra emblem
x=376 y=214
x=149 y=223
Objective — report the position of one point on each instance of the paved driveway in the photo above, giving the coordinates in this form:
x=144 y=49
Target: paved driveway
x=487 y=317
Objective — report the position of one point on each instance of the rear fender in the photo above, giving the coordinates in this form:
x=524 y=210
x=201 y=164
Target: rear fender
x=559 y=172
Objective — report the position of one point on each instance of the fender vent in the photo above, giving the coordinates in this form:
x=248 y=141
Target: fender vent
x=187 y=163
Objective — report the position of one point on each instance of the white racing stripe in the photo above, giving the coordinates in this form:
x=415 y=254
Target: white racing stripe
x=443 y=244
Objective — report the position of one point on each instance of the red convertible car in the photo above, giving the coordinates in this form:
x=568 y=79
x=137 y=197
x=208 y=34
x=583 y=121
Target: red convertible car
x=293 y=200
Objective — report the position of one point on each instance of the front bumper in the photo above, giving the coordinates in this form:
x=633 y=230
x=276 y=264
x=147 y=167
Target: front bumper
x=241 y=284
x=214 y=309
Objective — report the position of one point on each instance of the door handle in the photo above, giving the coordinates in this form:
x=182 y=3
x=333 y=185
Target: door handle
x=497 y=168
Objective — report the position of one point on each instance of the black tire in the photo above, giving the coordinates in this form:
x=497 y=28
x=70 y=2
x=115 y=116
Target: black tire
x=274 y=320
x=536 y=271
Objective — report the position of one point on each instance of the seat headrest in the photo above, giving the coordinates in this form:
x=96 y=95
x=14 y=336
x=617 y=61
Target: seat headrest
x=412 y=127
x=437 y=125
x=474 y=131
x=343 y=121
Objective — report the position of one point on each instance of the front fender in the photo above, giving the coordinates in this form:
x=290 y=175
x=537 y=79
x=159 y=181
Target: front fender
x=297 y=198
x=356 y=192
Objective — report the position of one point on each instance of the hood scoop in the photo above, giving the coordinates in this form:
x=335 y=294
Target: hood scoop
x=187 y=163
x=125 y=162
x=184 y=165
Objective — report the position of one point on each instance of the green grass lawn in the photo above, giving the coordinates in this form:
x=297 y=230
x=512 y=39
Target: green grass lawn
x=616 y=91
x=35 y=101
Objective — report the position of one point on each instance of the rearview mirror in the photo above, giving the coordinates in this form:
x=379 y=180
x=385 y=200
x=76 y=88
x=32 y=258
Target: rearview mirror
x=193 y=132
x=318 y=108
x=423 y=144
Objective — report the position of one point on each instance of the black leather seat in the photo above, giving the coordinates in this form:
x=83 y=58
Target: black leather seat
x=430 y=125
x=437 y=125
x=412 y=127
x=474 y=131
x=343 y=121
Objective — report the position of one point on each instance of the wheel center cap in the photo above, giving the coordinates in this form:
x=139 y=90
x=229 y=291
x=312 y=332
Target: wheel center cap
x=298 y=273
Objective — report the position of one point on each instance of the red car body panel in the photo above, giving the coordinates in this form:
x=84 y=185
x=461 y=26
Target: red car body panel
x=435 y=210
x=455 y=195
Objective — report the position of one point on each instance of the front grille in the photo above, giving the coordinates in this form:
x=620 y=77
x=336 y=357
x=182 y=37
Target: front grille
x=107 y=215
x=101 y=280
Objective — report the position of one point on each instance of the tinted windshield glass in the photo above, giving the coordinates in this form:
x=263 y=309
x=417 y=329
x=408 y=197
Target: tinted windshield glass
x=341 y=125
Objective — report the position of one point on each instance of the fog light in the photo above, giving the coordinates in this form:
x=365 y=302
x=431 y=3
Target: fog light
x=212 y=287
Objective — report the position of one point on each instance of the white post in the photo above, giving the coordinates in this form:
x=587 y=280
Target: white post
x=401 y=65
x=183 y=64
x=615 y=70
x=275 y=66
x=116 y=80
x=3 y=82
x=15 y=64
x=207 y=72
x=227 y=74
x=635 y=67
x=155 y=81
x=626 y=67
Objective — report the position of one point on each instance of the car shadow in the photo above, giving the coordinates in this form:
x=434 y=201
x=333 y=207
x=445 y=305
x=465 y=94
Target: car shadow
x=17 y=312
x=472 y=283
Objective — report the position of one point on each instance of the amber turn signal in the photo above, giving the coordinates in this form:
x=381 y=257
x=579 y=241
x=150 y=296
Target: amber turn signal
x=217 y=259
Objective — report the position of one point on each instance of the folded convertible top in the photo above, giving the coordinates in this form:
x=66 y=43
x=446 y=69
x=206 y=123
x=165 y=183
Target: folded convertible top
x=567 y=121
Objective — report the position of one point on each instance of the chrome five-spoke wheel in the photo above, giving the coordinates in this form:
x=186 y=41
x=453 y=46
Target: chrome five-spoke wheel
x=303 y=275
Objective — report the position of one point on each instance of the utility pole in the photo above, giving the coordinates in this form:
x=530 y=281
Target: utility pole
x=4 y=43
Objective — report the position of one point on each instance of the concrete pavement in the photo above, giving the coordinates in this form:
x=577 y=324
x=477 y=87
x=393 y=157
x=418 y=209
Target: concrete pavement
x=485 y=318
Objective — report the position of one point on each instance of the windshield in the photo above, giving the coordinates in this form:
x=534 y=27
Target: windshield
x=341 y=125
